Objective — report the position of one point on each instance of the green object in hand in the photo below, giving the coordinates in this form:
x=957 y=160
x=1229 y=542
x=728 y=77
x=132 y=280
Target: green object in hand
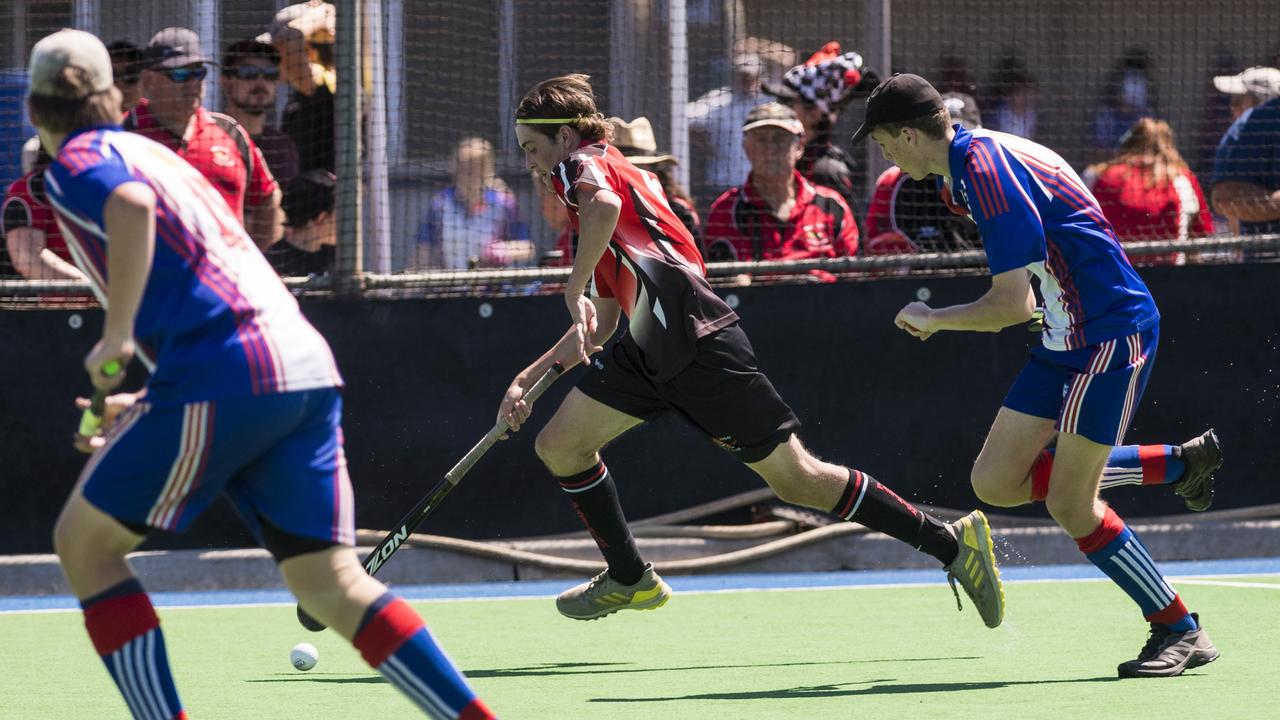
x=91 y=419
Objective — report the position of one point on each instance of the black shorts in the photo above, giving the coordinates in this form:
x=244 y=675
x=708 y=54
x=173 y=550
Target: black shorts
x=722 y=392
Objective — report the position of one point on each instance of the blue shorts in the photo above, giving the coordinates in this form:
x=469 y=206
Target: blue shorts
x=1092 y=391
x=276 y=456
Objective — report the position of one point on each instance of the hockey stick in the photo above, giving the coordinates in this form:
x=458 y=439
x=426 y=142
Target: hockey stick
x=428 y=504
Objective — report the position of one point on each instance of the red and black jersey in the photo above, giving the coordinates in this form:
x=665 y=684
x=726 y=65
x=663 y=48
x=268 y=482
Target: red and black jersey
x=25 y=205
x=652 y=265
x=742 y=225
x=921 y=211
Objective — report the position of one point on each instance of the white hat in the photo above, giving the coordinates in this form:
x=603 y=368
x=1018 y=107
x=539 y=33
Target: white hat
x=69 y=48
x=1260 y=81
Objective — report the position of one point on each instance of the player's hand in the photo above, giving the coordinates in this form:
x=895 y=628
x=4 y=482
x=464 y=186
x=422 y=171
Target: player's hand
x=576 y=347
x=513 y=409
x=917 y=320
x=108 y=349
x=582 y=313
x=115 y=404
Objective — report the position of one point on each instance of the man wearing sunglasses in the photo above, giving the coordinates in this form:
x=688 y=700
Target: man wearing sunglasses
x=215 y=144
x=250 y=71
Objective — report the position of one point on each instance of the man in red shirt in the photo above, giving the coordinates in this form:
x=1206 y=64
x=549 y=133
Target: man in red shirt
x=215 y=144
x=35 y=243
x=777 y=214
x=685 y=352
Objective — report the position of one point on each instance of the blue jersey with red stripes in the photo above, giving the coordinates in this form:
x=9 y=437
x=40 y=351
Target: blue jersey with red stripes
x=1034 y=212
x=215 y=321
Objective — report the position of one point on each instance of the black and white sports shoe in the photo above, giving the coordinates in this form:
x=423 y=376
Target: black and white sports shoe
x=1168 y=652
x=1202 y=456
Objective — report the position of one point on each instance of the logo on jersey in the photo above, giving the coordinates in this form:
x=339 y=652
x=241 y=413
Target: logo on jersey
x=222 y=156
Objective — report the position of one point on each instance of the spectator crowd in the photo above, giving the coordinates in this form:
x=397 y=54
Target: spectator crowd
x=769 y=177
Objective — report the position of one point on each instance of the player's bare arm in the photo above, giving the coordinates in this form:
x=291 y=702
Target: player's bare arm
x=1246 y=202
x=597 y=217
x=1008 y=302
x=32 y=257
x=265 y=222
x=130 y=220
x=568 y=352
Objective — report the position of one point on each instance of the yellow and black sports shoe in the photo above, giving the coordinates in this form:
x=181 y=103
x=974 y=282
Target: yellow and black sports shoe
x=975 y=568
x=602 y=595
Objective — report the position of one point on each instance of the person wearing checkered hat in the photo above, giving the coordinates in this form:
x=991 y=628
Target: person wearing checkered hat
x=817 y=90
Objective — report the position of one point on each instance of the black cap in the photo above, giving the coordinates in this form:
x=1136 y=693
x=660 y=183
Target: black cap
x=250 y=48
x=174 y=47
x=901 y=98
x=307 y=196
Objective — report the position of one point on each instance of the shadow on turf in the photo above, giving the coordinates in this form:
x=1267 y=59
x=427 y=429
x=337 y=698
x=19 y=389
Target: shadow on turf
x=300 y=677
x=839 y=690
x=545 y=669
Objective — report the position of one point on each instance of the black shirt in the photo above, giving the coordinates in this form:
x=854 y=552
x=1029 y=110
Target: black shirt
x=308 y=119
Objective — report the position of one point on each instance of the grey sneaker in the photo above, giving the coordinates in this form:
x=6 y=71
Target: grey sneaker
x=602 y=595
x=1202 y=456
x=1168 y=653
x=975 y=568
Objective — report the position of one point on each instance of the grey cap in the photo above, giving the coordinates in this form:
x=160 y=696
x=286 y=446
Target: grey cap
x=174 y=47
x=69 y=48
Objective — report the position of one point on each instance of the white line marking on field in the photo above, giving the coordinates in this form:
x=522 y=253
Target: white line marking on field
x=1226 y=583
x=1207 y=579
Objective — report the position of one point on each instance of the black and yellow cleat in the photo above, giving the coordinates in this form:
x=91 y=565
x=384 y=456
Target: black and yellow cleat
x=974 y=568
x=602 y=595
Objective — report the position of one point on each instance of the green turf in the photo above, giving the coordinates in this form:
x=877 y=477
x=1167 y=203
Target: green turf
x=868 y=653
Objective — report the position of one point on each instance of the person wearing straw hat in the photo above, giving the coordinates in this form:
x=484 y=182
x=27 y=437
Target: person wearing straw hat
x=636 y=142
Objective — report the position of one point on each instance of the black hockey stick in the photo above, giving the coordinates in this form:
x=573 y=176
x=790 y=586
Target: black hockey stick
x=428 y=504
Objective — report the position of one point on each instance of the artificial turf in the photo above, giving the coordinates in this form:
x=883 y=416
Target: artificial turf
x=875 y=652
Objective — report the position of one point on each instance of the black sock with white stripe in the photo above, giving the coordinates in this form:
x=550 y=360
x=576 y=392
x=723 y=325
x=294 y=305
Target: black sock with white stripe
x=868 y=502
x=595 y=498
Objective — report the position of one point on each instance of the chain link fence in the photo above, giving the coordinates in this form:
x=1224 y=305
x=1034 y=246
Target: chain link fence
x=413 y=183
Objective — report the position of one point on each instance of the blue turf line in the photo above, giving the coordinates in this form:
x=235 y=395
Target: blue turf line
x=693 y=583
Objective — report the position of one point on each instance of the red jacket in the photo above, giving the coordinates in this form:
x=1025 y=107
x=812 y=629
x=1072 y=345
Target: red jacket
x=741 y=226
x=1171 y=211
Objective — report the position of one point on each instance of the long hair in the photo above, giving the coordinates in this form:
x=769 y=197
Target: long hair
x=1149 y=143
x=570 y=97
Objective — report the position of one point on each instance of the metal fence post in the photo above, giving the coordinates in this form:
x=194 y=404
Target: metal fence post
x=348 y=261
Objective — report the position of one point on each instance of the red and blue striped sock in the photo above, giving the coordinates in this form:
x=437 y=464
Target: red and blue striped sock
x=395 y=642
x=125 y=631
x=1121 y=555
x=1127 y=465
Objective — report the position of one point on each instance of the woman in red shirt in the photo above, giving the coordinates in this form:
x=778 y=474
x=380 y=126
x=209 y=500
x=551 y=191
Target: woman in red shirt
x=1148 y=192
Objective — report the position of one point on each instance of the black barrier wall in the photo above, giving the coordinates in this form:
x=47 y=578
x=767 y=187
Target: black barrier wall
x=424 y=378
